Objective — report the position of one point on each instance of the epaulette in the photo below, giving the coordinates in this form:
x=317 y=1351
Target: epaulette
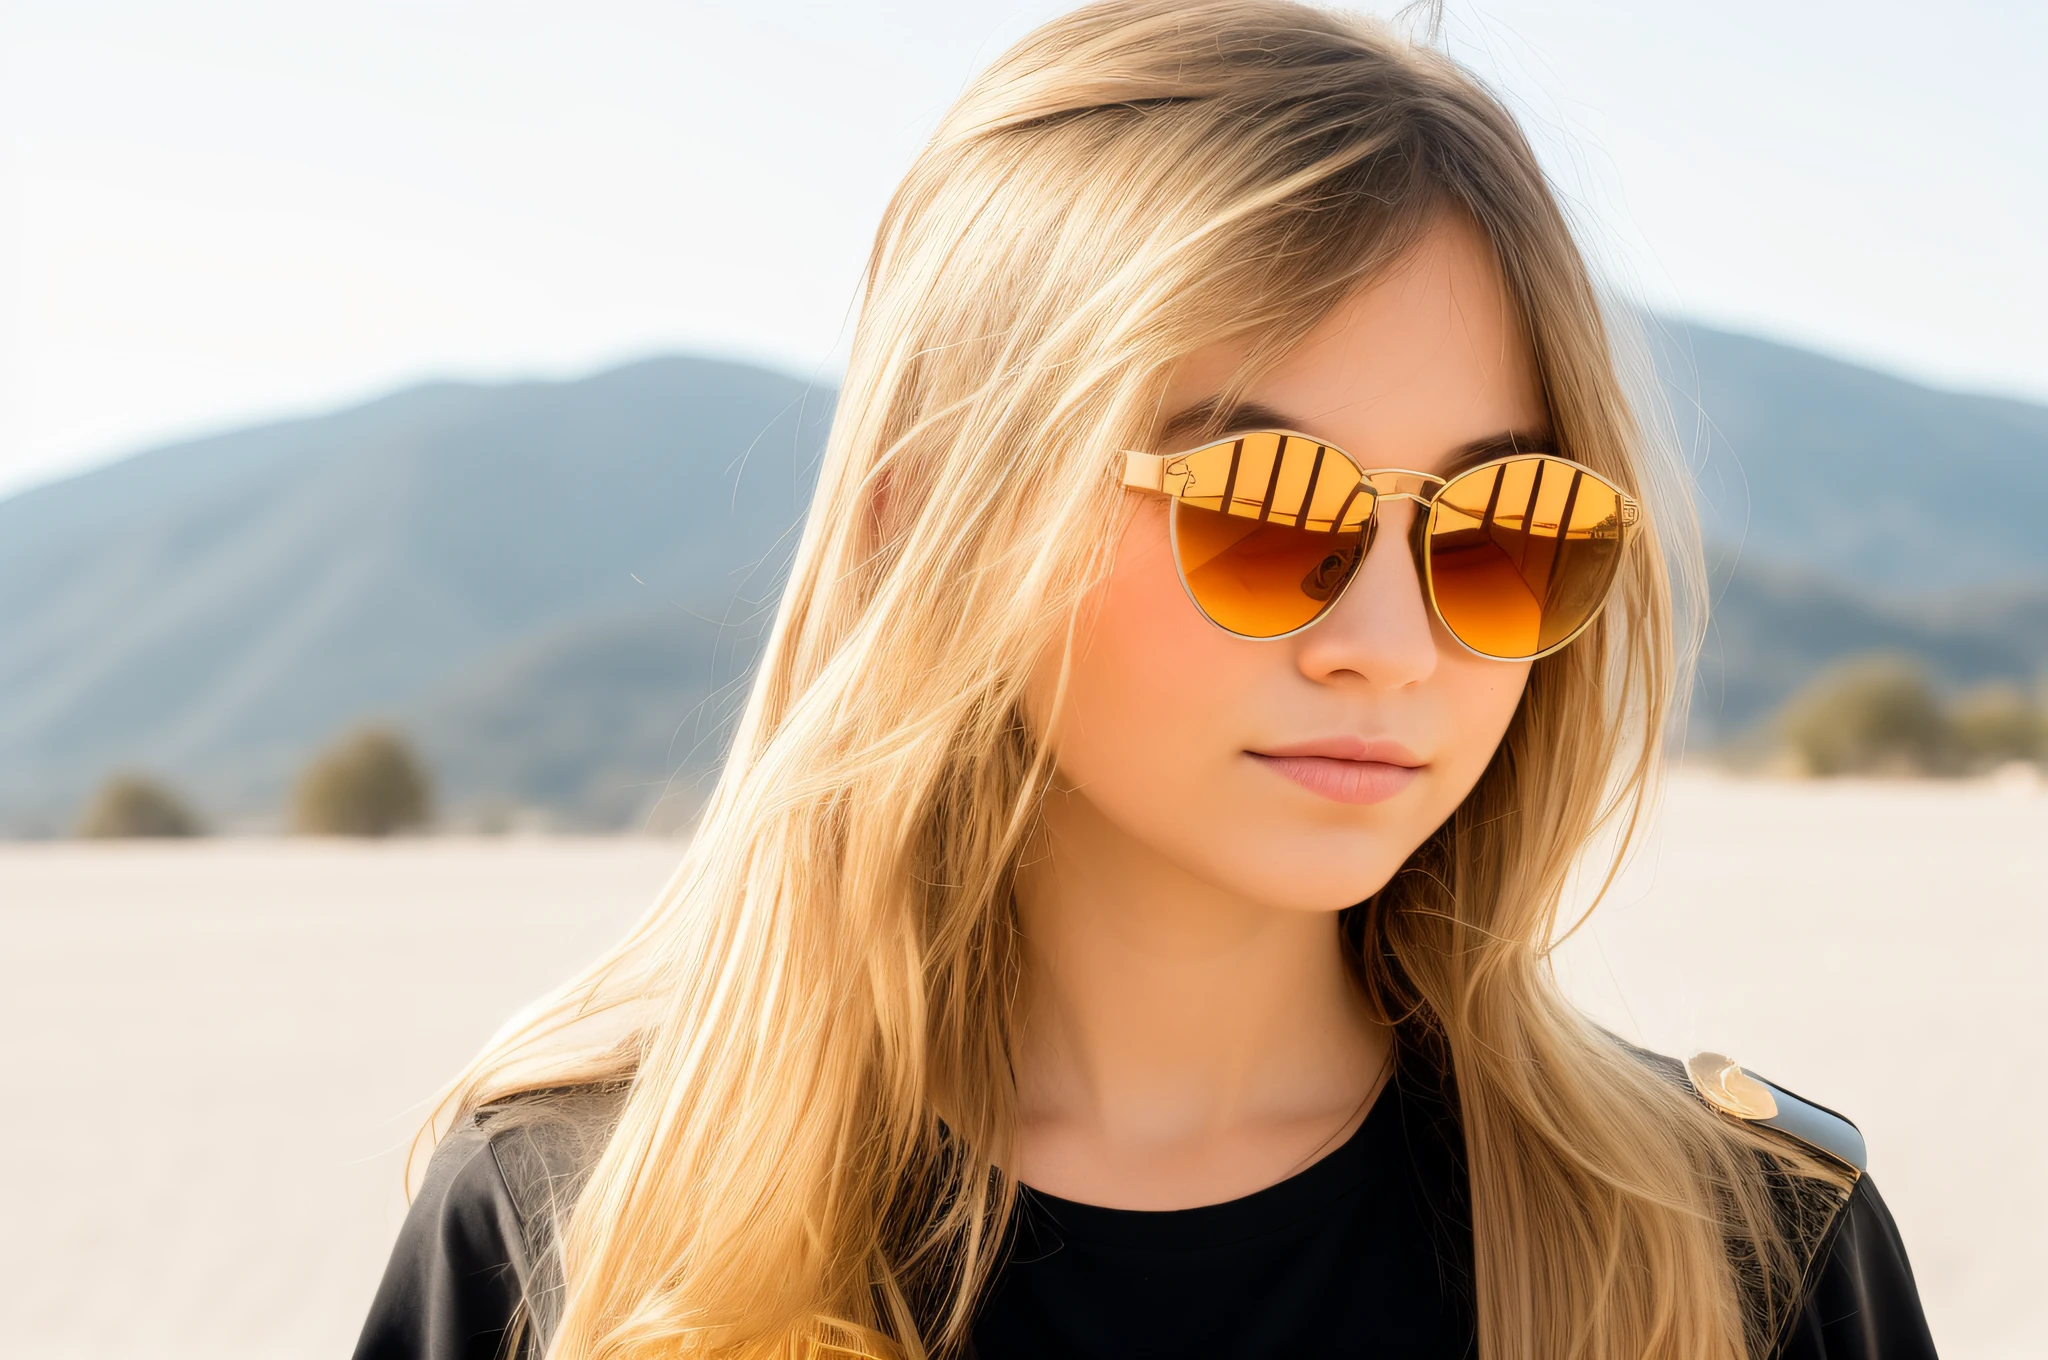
x=1738 y=1092
x=545 y=1144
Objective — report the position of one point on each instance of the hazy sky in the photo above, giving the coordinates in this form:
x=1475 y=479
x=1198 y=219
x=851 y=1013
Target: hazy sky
x=218 y=210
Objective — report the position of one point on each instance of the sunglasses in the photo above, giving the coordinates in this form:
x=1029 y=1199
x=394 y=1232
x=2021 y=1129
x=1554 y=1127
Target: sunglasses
x=1516 y=555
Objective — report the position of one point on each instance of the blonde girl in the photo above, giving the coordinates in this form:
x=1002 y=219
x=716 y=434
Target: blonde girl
x=1237 y=588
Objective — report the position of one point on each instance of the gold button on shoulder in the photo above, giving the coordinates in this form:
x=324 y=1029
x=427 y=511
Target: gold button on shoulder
x=1733 y=1090
x=1725 y=1086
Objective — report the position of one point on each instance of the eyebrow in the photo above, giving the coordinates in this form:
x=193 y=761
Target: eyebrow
x=1213 y=418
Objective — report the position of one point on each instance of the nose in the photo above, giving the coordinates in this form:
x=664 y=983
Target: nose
x=1379 y=630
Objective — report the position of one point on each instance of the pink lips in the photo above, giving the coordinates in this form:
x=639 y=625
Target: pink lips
x=1345 y=769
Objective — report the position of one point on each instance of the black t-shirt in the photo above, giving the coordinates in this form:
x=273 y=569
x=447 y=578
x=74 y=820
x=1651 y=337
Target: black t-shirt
x=1367 y=1252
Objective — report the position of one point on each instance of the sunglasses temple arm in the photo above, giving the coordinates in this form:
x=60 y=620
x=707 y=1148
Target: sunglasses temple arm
x=1144 y=471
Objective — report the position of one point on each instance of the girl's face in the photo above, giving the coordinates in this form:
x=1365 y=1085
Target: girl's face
x=1302 y=771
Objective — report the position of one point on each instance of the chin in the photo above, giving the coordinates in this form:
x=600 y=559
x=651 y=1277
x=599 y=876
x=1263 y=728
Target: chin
x=1327 y=856
x=1316 y=871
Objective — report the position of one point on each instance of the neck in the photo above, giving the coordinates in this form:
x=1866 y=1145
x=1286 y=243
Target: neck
x=1180 y=1043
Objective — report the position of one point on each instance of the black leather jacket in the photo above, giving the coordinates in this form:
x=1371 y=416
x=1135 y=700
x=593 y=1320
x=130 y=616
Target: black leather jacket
x=478 y=1240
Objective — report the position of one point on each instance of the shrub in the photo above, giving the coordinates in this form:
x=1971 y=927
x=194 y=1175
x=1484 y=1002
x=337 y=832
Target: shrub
x=367 y=784
x=1998 y=723
x=134 y=806
x=1874 y=715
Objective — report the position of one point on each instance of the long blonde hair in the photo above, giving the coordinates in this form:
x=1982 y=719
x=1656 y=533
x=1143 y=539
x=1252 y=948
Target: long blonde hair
x=815 y=1018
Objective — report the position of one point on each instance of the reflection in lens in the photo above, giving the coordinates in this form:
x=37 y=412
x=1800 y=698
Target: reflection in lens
x=1521 y=554
x=1268 y=529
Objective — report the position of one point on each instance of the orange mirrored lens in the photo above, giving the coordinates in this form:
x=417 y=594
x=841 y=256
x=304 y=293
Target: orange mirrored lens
x=1268 y=529
x=1521 y=554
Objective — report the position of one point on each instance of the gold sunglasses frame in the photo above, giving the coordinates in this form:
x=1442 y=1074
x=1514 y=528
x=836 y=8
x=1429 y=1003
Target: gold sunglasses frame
x=1154 y=471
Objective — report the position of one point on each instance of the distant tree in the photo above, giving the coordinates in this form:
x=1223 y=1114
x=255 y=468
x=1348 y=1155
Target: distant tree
x=1997 y=723
x=1871 y=715
x=367 y=784
x=135 y=806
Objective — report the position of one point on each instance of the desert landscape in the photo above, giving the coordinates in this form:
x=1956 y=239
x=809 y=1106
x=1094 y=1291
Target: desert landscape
x=219 y=1048
x=409 y=419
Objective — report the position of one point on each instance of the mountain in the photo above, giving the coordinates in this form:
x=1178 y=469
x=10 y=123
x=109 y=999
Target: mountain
x=1807 y=461
x=557 y=588
x=1851 y=511
x=214 y=609
x=1774 y=627
x=614 y=720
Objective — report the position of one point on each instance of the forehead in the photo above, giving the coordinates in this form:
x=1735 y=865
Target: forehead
x=1413 y=366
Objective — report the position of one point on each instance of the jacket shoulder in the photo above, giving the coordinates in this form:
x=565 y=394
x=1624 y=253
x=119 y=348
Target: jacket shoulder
x=543 y=1145
x=1861 y=1302
x=476 y=1270
x=453 y=1283
x=1856 y=1297
x=1736 y=1091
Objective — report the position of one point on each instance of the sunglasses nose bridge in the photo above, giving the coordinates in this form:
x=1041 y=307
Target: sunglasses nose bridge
x=1403 y=484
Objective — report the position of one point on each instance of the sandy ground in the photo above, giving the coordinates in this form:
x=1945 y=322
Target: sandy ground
x=216 y=1051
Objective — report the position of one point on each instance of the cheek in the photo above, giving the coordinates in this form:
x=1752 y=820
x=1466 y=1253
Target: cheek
x=1154 y=682
x=1477 y=700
